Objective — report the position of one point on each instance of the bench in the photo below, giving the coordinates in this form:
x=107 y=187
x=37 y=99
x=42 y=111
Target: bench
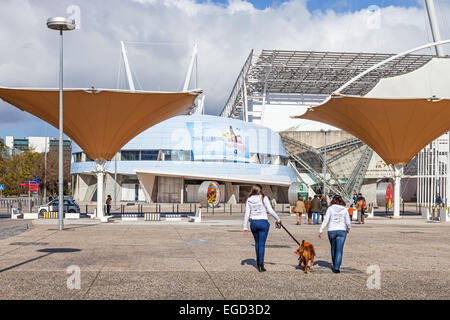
x=16 y=213
x=197 y=217
x=129 y=217
x=31 y=216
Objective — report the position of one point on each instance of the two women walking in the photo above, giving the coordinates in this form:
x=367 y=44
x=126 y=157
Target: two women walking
x=336 y=219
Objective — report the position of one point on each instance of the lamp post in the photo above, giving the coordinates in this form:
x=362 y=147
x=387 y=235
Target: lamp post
x=61 y=24
x=325 y=161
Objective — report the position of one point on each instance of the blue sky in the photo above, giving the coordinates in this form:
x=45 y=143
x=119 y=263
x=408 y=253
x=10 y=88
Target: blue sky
x=336 y=5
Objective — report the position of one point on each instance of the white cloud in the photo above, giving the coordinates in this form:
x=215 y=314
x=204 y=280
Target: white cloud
x=225 y=33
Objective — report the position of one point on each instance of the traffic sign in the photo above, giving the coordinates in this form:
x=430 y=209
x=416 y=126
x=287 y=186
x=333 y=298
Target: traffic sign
x=2 y=187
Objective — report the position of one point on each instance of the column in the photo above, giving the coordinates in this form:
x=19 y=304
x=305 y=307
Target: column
x=100 y=174
x=397 y=180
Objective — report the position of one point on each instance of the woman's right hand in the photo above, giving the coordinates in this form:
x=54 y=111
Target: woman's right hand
x=245 y=232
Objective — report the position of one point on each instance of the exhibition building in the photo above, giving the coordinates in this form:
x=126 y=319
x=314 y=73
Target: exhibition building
x=168 y=162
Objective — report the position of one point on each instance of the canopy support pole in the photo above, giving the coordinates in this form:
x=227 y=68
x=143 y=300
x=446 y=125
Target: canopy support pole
x=127 y=67
x=187 y=80
x=398 y=171
x=100 y=173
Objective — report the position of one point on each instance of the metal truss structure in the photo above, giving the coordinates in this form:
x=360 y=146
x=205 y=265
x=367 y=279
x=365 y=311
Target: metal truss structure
x=308 y=77
x=309 y=160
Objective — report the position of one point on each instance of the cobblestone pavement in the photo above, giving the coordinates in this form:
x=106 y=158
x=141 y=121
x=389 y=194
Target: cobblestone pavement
x=214 y=260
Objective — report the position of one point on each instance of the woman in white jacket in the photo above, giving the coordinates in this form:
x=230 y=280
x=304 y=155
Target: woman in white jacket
x=256 y=209
x=338 y=221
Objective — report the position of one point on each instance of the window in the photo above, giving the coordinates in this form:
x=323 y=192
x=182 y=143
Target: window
x=177 y=155
x=77 y=157
x=130 y=155
x=21 y=144
x=149 y=155
x=270 y=159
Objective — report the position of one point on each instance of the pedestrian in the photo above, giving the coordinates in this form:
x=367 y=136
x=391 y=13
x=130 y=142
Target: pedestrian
x=316 y=208
x=299 y=210
x=256 y=209
x=338 y=221
x=438 y=200
x=360 y=206
x=108 y=205
x=308 y=210
x=355 y=198
x=324 y=204
x=351 y=211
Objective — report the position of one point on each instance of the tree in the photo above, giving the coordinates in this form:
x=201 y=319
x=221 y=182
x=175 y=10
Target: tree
x=24 y=167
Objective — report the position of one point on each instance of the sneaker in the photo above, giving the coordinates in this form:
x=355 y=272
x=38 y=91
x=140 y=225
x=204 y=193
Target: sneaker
x=336 y=271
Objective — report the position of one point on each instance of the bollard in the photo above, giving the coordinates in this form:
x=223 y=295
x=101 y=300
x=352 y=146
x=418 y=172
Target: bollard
x=231 y=209
x=178 y=208
x=213 y=210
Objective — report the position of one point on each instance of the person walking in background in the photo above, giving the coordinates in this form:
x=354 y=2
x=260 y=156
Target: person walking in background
x=338 y=221
x=351 y=210
x=355 y=198
x=256 y=209
x=360 y=206
x=316 y=208
x=308 y=210
x=438 y=200
x=324 y=204
x=299 y=209
x=108 y=205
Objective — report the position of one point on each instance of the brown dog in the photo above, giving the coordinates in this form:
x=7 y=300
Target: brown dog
x=306 y=254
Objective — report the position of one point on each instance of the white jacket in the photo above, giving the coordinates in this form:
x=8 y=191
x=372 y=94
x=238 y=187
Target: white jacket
x=255 y=209
x=337 y=217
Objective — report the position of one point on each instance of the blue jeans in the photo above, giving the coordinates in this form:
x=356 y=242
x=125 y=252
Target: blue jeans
x=260 y=230
x=316 y=216
x=337 y=239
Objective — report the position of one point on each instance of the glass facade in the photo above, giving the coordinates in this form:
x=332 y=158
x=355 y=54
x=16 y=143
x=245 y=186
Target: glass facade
x=21 y=144
x=130 y=155
x=182 y=155
x=149 y=155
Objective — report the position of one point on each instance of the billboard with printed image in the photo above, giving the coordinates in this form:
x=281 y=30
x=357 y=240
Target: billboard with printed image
x=211 y=141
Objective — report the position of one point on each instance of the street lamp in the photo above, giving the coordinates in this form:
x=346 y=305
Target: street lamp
x=325 y=161
x=61 y=24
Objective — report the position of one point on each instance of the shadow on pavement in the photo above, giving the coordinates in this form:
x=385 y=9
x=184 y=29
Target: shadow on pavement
x=47 y=251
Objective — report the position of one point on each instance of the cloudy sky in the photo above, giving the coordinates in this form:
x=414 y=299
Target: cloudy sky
x=159 y=35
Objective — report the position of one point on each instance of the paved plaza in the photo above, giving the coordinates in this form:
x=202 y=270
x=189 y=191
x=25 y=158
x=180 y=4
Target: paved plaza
x=214 y=260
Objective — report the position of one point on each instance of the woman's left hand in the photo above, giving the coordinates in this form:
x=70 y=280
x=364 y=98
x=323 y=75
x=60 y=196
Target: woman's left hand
x=320 y=235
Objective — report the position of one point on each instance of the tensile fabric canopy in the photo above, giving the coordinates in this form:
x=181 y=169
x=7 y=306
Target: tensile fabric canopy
x=396 y=129
x=101 y=121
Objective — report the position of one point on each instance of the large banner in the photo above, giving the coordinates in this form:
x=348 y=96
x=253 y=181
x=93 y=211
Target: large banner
x=215 y=142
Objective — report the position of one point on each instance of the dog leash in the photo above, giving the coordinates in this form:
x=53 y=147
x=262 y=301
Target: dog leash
x=280 y=224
